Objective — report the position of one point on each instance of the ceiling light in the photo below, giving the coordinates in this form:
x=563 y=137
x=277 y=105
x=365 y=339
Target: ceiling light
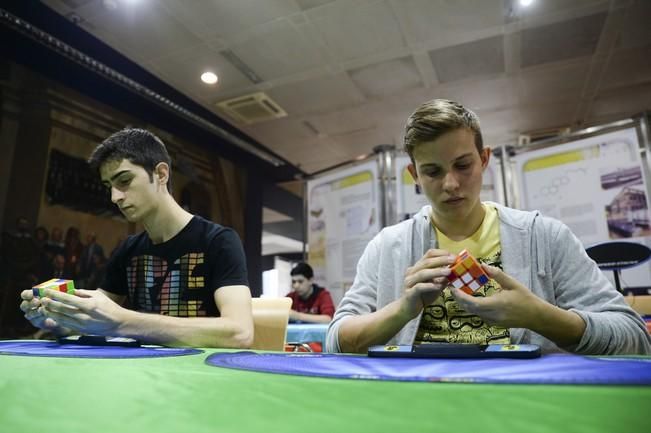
x=209 y=77
x=525 y=3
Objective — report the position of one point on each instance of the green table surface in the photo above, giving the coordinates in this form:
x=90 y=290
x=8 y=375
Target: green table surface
x=180 y=394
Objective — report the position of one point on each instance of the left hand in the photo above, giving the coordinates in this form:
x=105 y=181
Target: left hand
x=512 y=307
x=85 y=312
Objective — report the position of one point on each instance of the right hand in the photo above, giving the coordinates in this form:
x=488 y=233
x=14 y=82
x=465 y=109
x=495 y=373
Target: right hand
x=425 y=281
x=33 y=310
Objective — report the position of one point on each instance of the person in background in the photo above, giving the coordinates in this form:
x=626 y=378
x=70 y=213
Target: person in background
x=59 y=268
x=73 y=250
x=86 y=264
x=98 y=273
x=543 y=287
x=310 y=302
x=55 y=244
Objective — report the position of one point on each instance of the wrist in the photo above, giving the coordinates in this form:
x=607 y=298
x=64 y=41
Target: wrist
x=404 y=311
x=125 y=323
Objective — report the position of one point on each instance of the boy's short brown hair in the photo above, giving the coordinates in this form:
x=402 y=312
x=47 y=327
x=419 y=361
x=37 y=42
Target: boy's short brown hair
x=437 y=117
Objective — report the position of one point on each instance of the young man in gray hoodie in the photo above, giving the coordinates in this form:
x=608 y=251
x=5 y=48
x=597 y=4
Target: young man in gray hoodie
x=543 y=287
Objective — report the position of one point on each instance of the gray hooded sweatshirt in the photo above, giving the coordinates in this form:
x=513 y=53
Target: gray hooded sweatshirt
x=540 y=252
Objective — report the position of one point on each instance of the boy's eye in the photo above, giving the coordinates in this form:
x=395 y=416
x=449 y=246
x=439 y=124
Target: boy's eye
x=463 y=166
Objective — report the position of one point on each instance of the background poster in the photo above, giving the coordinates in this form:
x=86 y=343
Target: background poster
x=596 y=186
x=410 y=200
x=343 y=212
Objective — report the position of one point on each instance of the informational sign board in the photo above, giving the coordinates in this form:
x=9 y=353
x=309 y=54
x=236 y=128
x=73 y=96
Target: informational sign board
x=596 y=185
x=343 y=216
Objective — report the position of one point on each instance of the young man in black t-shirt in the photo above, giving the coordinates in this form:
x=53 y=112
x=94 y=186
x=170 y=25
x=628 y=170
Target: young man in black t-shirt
x=189 y=272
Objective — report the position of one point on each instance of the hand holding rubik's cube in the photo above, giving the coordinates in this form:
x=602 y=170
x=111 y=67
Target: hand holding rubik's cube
x=467 y=274
x=66 y=286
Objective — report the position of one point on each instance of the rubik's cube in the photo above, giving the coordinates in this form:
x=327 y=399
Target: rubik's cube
x=66 y=286
x=467 y=273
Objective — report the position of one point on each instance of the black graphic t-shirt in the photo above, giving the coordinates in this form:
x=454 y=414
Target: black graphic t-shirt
x=178 y=277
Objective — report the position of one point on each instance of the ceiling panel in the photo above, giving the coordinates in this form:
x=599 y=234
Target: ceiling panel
x=562 y=40
x=387 y=78
x=278 y=50
x=227 y=18
x=554 y=9
x=636 y=31
x=347 y=120
x=311 y=4
x=184 y=69
x=325 y=93
x=471 y=60
x=620 y=103
x=553 y=82
x=484 y=95
x=165 y=35
x=357 y=28
x=272 y=216
x=442 y=23
x=280 y=133
x=537 y=117
x=628 y=68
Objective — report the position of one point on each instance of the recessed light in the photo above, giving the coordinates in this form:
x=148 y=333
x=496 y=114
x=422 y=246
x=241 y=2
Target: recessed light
x=209 y=77
x=525 y=3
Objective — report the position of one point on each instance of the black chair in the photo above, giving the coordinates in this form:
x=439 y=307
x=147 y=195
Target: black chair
x=615 y=256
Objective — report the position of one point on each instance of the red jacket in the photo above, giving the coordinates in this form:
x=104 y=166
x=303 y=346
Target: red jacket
x=320 y=302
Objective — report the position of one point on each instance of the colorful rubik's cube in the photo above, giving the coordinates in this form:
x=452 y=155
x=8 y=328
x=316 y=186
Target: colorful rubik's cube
x=66 y=286
x=467 y=274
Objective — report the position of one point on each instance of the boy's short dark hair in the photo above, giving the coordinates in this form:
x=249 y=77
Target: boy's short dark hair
x=303 y=269
x=437 y=117
x=139 y=146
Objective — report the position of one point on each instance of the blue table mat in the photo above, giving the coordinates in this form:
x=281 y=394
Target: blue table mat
x=548 y=369
x=54 y=349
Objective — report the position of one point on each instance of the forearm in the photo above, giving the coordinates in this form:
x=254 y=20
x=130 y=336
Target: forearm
x=564 y=328
x=312 y=318
x=357 y=333
x=186 y=331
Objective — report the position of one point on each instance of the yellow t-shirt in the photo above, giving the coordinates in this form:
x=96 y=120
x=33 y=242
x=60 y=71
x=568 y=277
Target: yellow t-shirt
x=444 y=320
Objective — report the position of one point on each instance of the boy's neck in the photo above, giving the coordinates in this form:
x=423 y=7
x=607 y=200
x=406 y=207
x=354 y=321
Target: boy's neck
x=167 y=221
x=458 y=231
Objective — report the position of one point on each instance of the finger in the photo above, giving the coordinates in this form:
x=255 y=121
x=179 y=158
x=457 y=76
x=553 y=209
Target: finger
x=59 y=307
x=467 y=302
x=65 y=298
x=426 y=275
x=25 y=306
x=82 y=293
x=62 y=319
x=30 y=305
x=33 y=314
x=50 y=323
x=27 y=295
x=434 y=252
x=433 y=262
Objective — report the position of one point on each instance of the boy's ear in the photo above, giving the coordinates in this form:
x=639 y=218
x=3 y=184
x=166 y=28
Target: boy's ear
x=485 y=156
x=413 y=172
x=162 y=172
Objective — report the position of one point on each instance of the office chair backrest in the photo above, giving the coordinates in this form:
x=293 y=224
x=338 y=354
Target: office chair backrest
x=270 y=317
x=612 y=256
x=615 y=256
